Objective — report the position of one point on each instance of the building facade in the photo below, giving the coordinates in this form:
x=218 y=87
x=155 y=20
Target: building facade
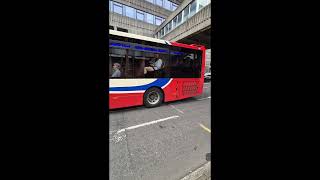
x=156 y=18
x=184 y=12
x=140 y=17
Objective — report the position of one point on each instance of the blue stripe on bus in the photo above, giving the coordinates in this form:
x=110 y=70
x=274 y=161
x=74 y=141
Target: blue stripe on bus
x=159 y=83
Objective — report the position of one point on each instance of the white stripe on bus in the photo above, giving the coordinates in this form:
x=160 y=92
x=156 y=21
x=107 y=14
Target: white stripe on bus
x=135 y=36
x=130 y=82
x=167 y=84
x=125 y=92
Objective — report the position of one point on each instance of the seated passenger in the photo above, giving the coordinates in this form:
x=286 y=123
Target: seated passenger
x=116 y=70
x=155 y=64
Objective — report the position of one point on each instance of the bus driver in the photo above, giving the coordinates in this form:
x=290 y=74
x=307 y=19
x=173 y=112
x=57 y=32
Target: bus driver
x=155 y=64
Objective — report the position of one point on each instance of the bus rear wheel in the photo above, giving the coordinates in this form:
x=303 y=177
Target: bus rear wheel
x=152 y=97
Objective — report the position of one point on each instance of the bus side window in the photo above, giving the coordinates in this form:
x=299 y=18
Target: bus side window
x=110 y=66
x=146 y=56
x=138 y=68
x=185 y=63
x=118 y=60
x=162 y=72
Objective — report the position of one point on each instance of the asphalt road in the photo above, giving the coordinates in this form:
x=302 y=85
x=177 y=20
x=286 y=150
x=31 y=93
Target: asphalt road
x=162 y=143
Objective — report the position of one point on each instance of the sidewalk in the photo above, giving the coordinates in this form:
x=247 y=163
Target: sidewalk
x=202 y=173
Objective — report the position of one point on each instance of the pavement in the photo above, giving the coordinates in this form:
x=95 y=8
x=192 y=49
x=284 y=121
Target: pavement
x=202 y=173
x=169 y=142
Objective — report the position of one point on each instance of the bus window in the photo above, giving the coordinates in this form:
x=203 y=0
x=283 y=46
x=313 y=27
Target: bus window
x=137 y=57
x=110 y=66
x=116 y=58
x=185 y=63
x=163 y=71
x=140 y=55
x=146 y=54
x=122 y=64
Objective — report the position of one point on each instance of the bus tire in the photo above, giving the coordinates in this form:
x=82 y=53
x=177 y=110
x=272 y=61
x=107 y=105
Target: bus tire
x=152 y=97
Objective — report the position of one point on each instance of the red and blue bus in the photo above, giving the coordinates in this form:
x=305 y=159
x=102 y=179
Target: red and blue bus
x=181 y=74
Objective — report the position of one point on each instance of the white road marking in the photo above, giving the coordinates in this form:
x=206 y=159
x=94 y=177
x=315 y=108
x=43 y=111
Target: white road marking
x=177 y=109
x=204 y=98
x=146 y=124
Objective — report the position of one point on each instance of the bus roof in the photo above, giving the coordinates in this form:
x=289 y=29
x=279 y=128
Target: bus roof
x=135 y=36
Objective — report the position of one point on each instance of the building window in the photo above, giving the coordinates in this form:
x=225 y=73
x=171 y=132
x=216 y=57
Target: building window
x=134 y=13
x=174 y=22
x=162 y=32
x=150 y=18
x=166 y=30
x=162 y=20
x=179 y=18
x=167 y=4
x=158 y=21
x=111 y=27
x=110 y=5
x=173 y=6
x=169 y=26
x=186 y=13
x=151 y=1
x=130 y=12
x=117 y=8
x=202 y=3
x=159 y=3
x=140 y=15
x=193 y=8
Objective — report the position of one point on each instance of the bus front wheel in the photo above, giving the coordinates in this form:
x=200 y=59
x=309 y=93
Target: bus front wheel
x=152 y=97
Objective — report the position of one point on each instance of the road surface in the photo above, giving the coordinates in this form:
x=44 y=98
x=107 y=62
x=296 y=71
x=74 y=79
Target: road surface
x=162 y=143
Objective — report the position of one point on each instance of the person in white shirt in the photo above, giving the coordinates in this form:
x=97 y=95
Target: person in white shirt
x=155 y=64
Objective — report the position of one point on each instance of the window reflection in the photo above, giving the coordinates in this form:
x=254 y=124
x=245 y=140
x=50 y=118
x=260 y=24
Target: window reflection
x=150 y=18
x=159 y=2
x=130 y=12
x=117 y=8
x=158 y=21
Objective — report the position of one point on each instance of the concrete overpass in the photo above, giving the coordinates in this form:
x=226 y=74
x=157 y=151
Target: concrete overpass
x=193 y=30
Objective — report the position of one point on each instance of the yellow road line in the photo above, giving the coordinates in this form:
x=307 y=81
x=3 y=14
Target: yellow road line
x=205 y=128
